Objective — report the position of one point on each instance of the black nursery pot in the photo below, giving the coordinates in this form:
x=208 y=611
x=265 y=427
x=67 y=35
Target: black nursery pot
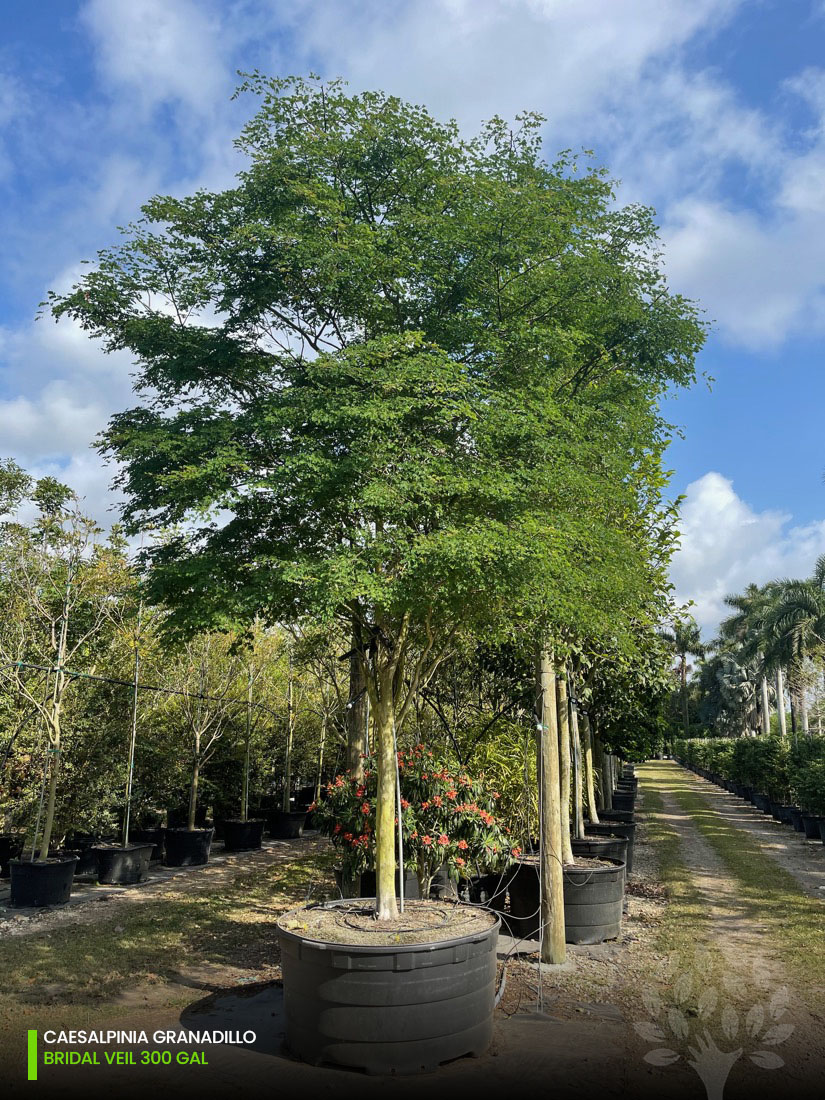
x=762 y=802
x=796 y=818
x=593 y=901
x=626 y=829
x=602 y=847
x=187 y=849
x=34 y=885
x=400 y=1009
x=10 y=848
x=623 y=801
x=616 y=815
x=287 y=825
x=122 y=866
x=150 y=836
x=810 y=826
x=242 y=836
x=822 y=829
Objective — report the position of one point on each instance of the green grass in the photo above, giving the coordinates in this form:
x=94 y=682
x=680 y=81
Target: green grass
x=68 y=974
x=793 y=923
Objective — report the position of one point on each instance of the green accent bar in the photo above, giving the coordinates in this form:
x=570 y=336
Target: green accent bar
x=32 y=1055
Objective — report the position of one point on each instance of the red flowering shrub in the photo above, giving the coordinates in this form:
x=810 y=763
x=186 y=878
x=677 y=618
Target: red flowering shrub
x=446 y=817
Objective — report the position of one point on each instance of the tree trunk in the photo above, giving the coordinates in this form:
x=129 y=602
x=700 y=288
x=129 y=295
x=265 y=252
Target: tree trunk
x=578 y=814
x=589 y=779
x=319 y=774
x=685 y=718
x=54 y=764
x=766 y=709
x=357 y=709
x=564 y=766
x=193 y=790
x=247 y=751
x=286 y=800
x=780 y=702
x=386 y=907
x=553 y=948
x=607 y=782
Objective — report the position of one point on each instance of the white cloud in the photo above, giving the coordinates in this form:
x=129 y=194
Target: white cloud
x=726 y=545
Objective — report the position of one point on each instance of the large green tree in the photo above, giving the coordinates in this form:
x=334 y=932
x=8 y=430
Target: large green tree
x=396 y=378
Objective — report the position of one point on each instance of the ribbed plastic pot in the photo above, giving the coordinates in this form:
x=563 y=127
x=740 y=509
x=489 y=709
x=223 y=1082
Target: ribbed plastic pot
x=155 y=837
x=762 y=802
x=810 y=826
x=593 y=900
x=287 y=825
x=601 y=847
x=243 y=836
x=367 y=886
x=122 y=866
x=399 y=1009
x=616 y=815
x=626 y=829
x=10 y=848
x=187 y=849
x=796 y=818
x=624 y=801
x=34 y=885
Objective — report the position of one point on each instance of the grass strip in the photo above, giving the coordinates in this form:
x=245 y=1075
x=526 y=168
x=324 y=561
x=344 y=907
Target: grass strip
x=793 y=923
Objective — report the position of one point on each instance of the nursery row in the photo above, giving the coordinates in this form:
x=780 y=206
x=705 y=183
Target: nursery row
x=784 y=780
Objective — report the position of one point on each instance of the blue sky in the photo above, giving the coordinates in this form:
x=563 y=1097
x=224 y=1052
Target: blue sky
x=713 y=111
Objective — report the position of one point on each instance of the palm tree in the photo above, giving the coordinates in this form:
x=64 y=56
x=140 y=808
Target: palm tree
x=685 y=638
x=746 y=630
x=797 y=625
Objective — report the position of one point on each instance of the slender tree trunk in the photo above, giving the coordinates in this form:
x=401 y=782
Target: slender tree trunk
x=247 y=751
x=578 y=813
x=793 y=714
x=383 y=713
x=780 y=702
x=607 y=782
x=766 y=710
x=322 y=745
x=564 y=766
x=553 y=949
x=290 y=735
x=803 y=712
x=685 y=717
x=589 y=780
x=193 y=788
x=357 y=709
x=54 y=765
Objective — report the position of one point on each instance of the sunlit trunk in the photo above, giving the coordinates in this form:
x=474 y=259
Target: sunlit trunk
x=286 y=800
x=766 y=710
x=564 y=768
x=589 y=778
x=578 y=813
x=386 y=906
x=780 y=702
x=553 y=948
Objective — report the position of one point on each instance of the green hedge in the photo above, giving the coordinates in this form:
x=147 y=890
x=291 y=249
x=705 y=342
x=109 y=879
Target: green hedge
x=773 y=766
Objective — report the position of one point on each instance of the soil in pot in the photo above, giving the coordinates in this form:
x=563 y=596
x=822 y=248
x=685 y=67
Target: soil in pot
x=287 y=824
x=41 y=883
x=122 y=866
x=185 y=848
x=626 y=829
x=243 y=836
x=396 y=997
x=10 y=848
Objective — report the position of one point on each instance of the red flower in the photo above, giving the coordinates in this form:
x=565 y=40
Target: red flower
x=463 y=844
x=459 y=861
x=347 y=836
x=516 y=852
x=360 y=792
x=425 y=805
x=443 y=840
x=452 y=793
x=426 y=841
x=314 y=806
x=404 y=804
x=365 y=807
x=337 y=828
x=437 y=800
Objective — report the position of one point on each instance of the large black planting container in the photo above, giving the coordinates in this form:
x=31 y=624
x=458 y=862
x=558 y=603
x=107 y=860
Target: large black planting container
x=626 y=829
x=122 y=866
x=10 y=848
x=624 y=801
x=287 y=824
x=601 y=847
x=593 y=900
x=616 y=815
x=38 y=884
x=187 y=849
x=150 y=836
x=399 y=1009
x=810 y=826
x=243 y=836
x=796 y=818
